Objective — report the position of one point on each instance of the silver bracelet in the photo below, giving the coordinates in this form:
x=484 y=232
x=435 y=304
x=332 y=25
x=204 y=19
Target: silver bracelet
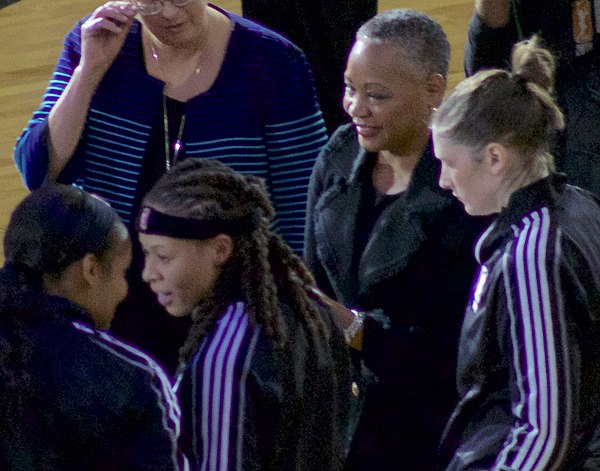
x=358 y=321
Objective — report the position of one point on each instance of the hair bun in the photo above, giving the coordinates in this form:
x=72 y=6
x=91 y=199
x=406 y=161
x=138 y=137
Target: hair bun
x=531 y=62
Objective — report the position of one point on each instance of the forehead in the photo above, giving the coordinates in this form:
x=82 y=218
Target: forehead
x=380 y=58
x=153 y=242
x=446 y=149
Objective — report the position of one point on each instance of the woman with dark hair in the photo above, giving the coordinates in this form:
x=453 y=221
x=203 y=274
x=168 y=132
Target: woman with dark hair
x=529 y=354
x=73 y=397
x=264 y=375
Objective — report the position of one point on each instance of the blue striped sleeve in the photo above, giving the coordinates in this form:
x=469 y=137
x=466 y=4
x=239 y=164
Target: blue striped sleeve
x=31 y=151
x=295 y=134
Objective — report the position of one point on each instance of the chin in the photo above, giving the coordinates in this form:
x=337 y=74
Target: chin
x=370 y=145
x=477 y=212
x=471 y=211
x=103 y=324
x=178 y=311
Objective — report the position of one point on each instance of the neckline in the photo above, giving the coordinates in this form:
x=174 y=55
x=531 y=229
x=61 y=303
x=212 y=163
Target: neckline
x=138 y=29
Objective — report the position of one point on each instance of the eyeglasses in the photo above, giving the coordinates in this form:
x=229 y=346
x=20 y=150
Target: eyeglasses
x=154 y=7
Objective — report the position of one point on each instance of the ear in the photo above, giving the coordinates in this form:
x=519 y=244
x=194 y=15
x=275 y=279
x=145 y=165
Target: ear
x=496 y=158
x=435 y=86
x=223 y=247
x=91 y=269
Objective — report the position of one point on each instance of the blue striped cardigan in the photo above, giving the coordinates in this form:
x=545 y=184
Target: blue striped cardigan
x=260 y=116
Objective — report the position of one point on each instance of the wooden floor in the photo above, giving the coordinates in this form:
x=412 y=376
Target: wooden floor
x=31 y=33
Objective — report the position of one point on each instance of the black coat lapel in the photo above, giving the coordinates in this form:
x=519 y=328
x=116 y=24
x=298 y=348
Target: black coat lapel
x=335 y=230
x=400 y=230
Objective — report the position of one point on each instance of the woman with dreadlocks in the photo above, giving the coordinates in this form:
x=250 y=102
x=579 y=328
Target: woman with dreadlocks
x=74 y=397
x=264 y=377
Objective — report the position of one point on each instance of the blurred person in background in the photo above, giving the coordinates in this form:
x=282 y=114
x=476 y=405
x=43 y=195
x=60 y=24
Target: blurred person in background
x=570 y=30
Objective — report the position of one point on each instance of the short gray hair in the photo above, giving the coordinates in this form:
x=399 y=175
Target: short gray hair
x=422 y=38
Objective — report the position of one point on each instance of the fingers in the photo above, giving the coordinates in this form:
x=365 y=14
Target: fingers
x=103 y=34
x=115 y=16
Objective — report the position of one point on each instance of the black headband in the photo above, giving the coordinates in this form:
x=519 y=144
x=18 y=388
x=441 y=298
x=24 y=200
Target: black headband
x=151 y=221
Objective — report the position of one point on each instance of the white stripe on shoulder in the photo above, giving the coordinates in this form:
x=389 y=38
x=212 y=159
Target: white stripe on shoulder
x=481 y=240
x=139 y=359
x=218 y=385
x=532 y=332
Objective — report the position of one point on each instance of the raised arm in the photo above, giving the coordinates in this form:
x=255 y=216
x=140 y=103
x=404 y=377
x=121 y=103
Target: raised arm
x=493 y=13
x=52 y=135
x=490 y=37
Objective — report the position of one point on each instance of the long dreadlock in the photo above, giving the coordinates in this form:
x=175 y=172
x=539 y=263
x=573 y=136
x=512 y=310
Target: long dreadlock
x=262 y=269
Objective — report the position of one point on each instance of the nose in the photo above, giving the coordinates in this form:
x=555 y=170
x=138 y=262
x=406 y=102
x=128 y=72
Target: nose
x=356 y=105
x=148 y=272
x=169 y=9
x=444 y=180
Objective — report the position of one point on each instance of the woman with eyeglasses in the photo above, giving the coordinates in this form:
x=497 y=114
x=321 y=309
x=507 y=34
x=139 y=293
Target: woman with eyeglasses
x=143 y=84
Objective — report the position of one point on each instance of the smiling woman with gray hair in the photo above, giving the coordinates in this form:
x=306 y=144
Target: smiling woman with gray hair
x=382 y=237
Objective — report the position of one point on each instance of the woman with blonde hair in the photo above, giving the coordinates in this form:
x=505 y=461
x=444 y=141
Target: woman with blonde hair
x=529 y=354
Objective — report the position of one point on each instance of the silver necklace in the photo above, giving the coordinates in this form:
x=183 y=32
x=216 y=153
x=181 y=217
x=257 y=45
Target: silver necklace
x=170 y=157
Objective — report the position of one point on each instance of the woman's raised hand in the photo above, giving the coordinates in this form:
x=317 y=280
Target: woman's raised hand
x=103 y=35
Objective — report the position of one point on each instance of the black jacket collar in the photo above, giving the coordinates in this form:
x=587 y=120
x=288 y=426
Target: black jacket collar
x=545 y=192
x=398 y=234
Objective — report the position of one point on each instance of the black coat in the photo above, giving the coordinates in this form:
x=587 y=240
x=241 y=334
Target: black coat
x=417 y=268
x=86 y=401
